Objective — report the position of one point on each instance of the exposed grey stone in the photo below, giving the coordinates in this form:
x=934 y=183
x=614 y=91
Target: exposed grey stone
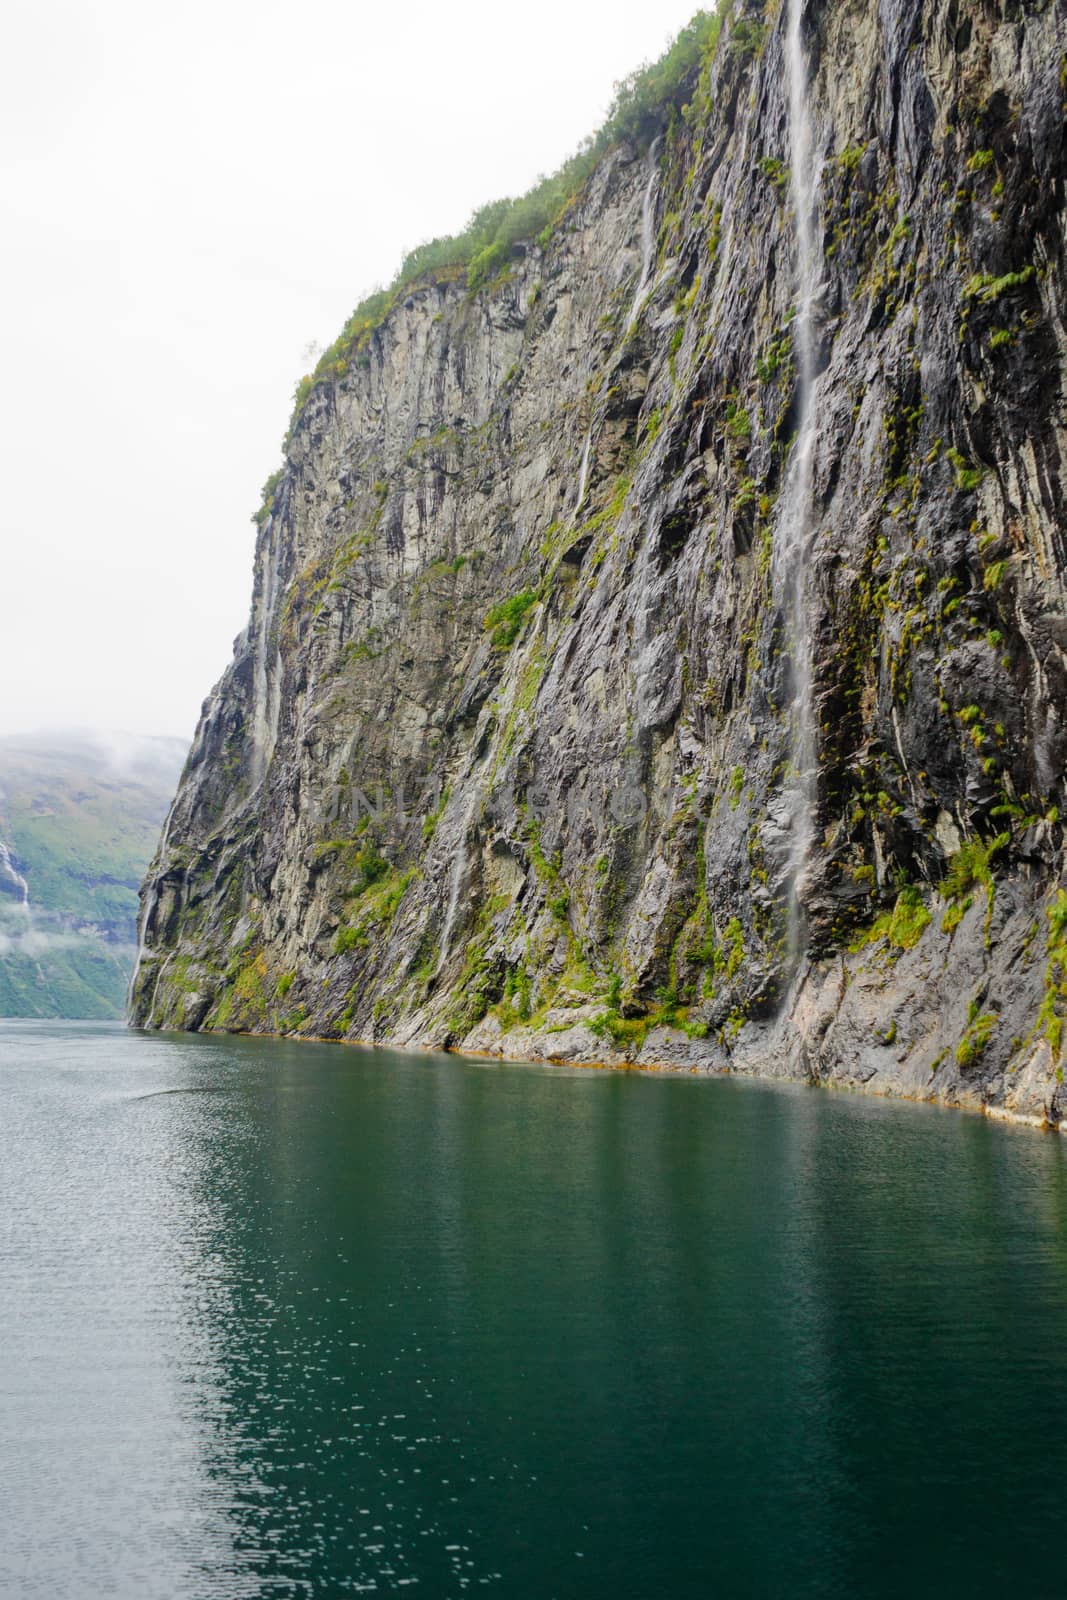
x=617 y=804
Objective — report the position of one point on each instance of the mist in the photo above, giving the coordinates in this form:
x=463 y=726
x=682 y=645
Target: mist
x=31 y=942
x=193 y=197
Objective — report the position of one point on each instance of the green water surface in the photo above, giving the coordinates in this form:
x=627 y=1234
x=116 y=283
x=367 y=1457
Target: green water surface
x=295 y=1320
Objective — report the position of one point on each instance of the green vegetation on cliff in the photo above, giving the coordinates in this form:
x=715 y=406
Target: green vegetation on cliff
x=540 y=556
x=644 y=102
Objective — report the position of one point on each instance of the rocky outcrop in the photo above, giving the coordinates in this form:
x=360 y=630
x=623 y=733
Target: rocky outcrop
x=504 y=759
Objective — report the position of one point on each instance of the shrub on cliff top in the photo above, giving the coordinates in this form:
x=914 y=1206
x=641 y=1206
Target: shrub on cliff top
x=643 y=103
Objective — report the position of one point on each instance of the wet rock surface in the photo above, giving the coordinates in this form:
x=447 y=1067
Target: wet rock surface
x=502 y=759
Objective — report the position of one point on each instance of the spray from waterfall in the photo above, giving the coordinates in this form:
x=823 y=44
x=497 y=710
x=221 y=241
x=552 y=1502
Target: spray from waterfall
x=795 y=519
x=648 y=233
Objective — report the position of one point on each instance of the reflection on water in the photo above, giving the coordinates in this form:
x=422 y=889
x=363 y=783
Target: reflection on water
x=357 y=1322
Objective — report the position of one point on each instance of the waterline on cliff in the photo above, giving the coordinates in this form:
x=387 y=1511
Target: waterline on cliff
x=795 y=515
x=648 y=248
x=10 y=872
x=648 y=233
x=458 y=874
x=149 y=897
x=583 y=473
x=262 y=731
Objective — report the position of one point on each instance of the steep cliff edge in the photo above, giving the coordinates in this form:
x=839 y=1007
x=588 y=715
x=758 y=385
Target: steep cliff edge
x=508 y=755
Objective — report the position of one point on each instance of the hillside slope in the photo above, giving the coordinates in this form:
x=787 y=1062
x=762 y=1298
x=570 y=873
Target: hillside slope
x=79 y=820
x=657 y=652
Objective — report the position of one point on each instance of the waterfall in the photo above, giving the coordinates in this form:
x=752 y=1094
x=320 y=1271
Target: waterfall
x=795 y=529
x=583 y=473
x=262 y=730
x=10 y=875
x=459 y=871
x=150 y=898
x=142 y=929
x=648 y=233
x=648 y=247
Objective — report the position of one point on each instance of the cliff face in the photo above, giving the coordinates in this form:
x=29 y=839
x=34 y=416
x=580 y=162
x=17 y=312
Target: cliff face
x=508 y=756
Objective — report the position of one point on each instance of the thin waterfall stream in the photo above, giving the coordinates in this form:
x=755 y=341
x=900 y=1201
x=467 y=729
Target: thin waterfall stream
x=458 y=872
x=13 y=876
x=648 y=250
x=262 y=726
x=149 y=897
x=460 y=860
x=795 y=513
x=583 y=473
x=648 y=233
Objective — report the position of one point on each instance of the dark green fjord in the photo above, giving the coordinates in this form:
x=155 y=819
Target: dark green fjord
x=293 y=1320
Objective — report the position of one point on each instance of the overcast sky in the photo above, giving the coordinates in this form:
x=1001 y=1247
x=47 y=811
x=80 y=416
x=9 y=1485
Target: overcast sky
x=195 y=193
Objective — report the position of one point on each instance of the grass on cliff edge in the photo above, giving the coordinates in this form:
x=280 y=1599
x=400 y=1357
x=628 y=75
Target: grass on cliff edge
x=642 y=102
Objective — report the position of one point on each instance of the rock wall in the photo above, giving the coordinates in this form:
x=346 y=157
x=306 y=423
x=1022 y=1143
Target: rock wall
x=503 y=758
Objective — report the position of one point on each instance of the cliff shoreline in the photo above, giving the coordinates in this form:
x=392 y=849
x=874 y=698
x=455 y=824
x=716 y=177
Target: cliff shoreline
x=509 y=749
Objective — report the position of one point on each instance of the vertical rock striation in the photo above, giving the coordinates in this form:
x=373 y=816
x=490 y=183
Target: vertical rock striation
x=508 y=755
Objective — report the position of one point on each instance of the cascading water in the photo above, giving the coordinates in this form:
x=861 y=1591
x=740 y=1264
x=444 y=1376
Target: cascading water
x=648 y=248
x=458 y=873
x=12 y=878
x=262 y=720
x=583 y=473
x=795 y=512
x=648 y=233
x=461 y=856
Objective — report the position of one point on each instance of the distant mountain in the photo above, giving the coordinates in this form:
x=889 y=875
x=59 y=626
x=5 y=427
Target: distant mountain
x=80 y=816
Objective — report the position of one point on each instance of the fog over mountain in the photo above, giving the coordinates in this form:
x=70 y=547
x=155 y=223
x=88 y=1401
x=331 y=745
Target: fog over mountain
x=80 y=815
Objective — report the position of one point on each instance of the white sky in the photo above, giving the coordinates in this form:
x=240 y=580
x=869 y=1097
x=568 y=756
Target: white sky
x=193 y=194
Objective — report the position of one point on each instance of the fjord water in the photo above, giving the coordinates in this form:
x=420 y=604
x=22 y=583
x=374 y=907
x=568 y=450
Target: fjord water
x=295 y=1320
